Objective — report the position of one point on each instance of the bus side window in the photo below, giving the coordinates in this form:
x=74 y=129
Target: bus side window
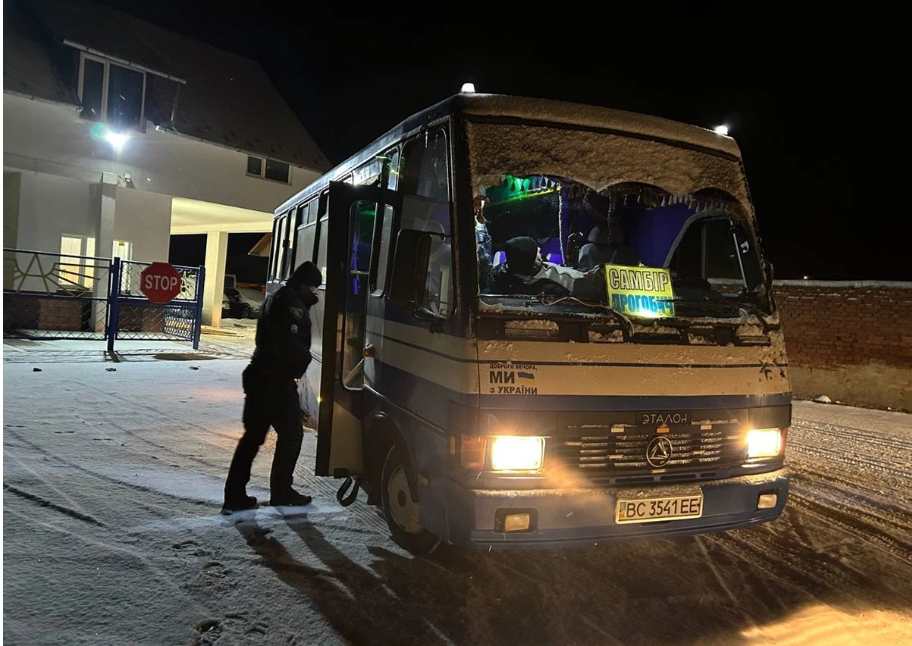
x=321 y=247
x=294 y=252
x=719 y=251
x=385 y=224
x=281 y=245
x=392 y=171
x=714 y=251
x=383 y=250
x=424 y=182
x=306 y=234
x=273 y=251
x=320 y=218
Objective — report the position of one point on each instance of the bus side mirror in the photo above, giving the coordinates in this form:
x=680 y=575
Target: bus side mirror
x=410 y=268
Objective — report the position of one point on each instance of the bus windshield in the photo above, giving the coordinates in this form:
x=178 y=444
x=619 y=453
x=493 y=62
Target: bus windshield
x=633 y=248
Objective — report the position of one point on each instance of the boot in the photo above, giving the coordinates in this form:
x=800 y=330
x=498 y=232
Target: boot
x=290 y=498
x=240 y=503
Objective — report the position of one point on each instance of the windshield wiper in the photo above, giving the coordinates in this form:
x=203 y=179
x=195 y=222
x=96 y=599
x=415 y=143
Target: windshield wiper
x=749 y=308
x=628 y=324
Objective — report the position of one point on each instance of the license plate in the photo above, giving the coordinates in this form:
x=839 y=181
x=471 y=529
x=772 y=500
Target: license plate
x=650 y=510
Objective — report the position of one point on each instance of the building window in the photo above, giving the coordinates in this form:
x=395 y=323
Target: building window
x=74 y=269
x=272 y=169
x=111 y=92
x=276 y=170
x=93 y=89
x=125 y=96
x=122 y=249
x=254 y=166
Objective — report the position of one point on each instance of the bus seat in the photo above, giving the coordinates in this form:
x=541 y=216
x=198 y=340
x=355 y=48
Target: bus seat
x=551 y=251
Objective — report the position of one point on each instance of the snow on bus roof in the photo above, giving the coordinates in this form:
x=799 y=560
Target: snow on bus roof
x=532 y=110
x=579 y=114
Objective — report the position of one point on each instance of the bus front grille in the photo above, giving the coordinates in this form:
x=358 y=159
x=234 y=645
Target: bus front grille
x=618 y=452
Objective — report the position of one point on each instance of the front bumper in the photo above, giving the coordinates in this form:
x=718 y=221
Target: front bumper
x=586 y=516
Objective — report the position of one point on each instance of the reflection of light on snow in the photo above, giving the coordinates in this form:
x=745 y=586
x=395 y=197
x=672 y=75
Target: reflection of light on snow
x=213 y=394
x=822 y=624
x=176 y=482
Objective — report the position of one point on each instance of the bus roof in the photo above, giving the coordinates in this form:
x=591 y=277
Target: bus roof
x=529 y=110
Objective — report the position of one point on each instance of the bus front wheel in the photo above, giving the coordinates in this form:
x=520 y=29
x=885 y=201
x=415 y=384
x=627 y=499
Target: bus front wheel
x=401 y=510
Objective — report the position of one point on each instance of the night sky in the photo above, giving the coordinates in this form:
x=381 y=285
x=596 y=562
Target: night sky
x=805 y=95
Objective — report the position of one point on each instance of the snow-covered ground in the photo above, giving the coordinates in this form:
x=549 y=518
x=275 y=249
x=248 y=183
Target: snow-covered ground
x=112 y=485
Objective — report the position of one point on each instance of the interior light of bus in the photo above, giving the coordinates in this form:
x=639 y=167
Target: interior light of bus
x=520 y=188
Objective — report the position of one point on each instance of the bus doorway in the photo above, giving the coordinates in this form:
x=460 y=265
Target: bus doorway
x=350 y=229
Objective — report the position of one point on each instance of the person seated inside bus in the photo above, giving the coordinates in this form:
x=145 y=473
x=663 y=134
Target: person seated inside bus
x=606 y=244
x=524 y=271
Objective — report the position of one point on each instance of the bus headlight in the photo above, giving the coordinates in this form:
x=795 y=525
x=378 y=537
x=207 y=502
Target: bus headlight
x=517 y=452
x=764 y=442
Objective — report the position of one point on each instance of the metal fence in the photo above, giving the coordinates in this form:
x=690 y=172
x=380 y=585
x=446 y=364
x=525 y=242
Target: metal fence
x=49 y=295
x=54 y=296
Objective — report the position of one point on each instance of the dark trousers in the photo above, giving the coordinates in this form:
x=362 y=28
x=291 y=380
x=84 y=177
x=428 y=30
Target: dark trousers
x=269 y=402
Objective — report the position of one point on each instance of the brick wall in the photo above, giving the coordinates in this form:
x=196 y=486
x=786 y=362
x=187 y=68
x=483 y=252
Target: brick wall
x=849 y=340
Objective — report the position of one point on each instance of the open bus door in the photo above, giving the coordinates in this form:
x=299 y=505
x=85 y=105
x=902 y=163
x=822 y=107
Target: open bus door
x=350 y=230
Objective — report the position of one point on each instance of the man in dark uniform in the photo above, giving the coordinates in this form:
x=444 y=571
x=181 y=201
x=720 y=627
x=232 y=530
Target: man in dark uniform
x=270 y=384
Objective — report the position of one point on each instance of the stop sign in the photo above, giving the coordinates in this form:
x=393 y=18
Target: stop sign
x=160 y=282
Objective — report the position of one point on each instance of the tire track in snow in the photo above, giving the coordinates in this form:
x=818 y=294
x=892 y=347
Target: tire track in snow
x=780 y=564
x=45 y=481
x=867 y=532
x=852 y=433
x=857 y=488
x=840 y=456
x=44 y=502
x=858 y=501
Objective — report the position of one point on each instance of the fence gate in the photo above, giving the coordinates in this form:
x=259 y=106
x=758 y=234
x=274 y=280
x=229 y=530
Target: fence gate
x=56 y=296
x=132 y=316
